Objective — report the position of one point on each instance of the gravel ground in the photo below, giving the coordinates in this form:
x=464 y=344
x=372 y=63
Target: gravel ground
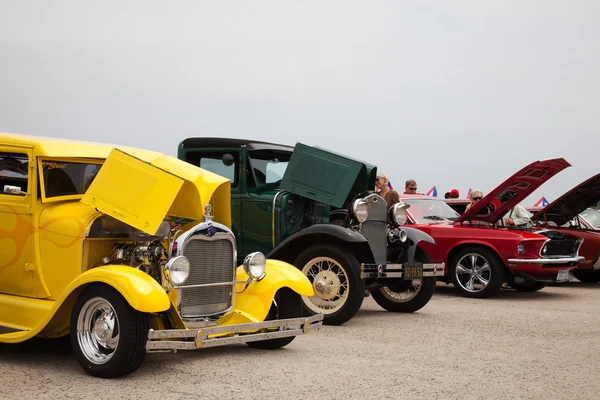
x=519 y=345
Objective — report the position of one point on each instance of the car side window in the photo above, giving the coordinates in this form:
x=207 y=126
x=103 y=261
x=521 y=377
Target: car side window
x=224 y=164
x=14 y=174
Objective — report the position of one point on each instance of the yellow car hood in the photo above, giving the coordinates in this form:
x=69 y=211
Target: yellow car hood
x=141 y=191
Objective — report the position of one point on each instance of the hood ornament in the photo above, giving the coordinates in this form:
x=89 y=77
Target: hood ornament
x=208 y=213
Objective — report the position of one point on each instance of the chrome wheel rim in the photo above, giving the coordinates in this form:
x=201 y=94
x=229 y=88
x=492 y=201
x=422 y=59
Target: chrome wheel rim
x=98 y=330
x=405 y=296
x=473 y=272
x=330 y=283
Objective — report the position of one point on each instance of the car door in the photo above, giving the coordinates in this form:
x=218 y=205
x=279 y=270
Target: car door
x=16 y=221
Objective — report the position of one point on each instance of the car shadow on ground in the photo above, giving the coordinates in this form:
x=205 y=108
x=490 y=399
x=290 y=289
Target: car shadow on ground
x=506 y=293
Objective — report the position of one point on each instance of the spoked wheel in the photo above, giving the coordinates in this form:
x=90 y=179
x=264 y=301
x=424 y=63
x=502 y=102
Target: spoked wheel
x=335 y=276
x=477 y=272
x=108 y=336
x=406 y=296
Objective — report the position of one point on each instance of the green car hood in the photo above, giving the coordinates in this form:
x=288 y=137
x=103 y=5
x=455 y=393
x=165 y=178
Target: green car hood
x=326 y=176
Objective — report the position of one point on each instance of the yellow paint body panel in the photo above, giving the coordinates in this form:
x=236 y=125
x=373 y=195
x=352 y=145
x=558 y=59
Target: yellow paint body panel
x=35 y=316
x=254 y=303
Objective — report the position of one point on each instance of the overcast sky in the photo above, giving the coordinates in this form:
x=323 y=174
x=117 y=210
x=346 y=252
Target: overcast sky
x=452 y=93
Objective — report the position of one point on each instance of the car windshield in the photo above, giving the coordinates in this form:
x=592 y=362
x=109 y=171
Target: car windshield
x=267 y=167
x=426 y=211
x=67 y=178
x=592 y=216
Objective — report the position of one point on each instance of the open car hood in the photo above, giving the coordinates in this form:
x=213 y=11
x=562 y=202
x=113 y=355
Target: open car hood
x=570 y=204
x=326 y=176
x=141 y=192
x=514 y=190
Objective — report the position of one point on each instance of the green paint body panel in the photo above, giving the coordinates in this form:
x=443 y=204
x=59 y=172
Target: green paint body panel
x=326 y=176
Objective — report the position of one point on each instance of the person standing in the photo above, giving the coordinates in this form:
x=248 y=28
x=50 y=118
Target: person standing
x=390 y=196
x=476 y=195
x=410 y=187
x=518 y=216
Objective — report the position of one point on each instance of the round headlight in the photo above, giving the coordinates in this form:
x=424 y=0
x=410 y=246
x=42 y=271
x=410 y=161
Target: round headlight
x=177 y=270
x=360 y=211
x=403 y=235
x=398 y=213
x=254 y=265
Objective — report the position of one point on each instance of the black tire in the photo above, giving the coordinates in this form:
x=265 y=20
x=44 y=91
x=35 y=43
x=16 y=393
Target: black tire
x=529 y=287
x=351 y=288
x=388 y=297
x=587 y=276
x=131 y=327
x=494 y=274
x=287 y=305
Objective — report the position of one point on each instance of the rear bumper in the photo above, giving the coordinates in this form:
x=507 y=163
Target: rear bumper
x=395 y=271
x=192 y=339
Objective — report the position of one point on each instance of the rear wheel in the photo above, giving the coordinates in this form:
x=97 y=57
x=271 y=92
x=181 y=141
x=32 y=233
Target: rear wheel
x=108 y=336
x=287 y=304
x=587 y=276
x=528 y=286
x=406 y=296
x=334 y=273
x=477 y=272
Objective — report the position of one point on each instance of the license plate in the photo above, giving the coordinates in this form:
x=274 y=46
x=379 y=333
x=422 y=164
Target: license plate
x=563 y=276
x=413 y=271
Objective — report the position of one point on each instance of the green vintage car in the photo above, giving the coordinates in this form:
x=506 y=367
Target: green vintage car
x=316 y=210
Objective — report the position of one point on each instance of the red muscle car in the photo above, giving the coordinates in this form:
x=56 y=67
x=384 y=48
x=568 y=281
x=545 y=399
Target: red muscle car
x=481 y=254
x=571 y=213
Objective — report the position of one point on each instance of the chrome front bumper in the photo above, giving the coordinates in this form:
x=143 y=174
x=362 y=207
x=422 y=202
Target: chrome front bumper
x=564 y=260
x=192 y=339
x=397 y=270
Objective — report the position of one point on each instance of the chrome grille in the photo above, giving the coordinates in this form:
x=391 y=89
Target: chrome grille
x=211 y=261
x=374 y=228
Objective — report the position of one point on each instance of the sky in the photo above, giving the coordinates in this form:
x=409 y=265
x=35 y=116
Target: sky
x=455 y=94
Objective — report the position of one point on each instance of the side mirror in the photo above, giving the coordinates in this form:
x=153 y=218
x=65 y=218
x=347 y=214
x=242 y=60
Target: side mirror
x=228 y=159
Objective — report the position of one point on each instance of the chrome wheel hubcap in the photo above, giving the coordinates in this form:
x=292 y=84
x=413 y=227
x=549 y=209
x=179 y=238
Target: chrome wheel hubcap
x=330 y=283
x=98 y=330
x=473 y=272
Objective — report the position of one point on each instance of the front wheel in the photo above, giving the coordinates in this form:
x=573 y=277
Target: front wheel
x=406 y=296
x=477 y=272
x=527 y=287
x=108 y=336
x=334 y=273
x=587 y=276
x=287 y=304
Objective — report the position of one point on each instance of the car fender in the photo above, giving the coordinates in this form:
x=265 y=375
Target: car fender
x=256 y=299
x=139 y=289
x=336 y=232
x=414 y=237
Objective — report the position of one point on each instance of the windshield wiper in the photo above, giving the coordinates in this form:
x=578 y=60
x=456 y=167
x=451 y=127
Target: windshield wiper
x=435 y=218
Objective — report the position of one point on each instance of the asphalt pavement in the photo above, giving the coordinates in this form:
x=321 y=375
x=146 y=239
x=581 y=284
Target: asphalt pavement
x=543 y=345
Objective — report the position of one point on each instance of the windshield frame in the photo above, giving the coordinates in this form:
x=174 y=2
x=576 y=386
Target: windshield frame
x=72 y=160
x=420 y=221
x=272 y=155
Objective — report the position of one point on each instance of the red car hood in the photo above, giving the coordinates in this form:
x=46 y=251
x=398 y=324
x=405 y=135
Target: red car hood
x=570 y=204
x=514 y=190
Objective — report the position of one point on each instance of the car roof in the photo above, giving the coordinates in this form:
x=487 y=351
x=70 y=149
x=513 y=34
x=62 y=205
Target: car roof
x=53 y=147
x=203 y=142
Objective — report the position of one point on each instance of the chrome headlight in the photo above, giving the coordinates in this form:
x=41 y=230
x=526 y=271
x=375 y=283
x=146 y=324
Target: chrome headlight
x=359 y=210
x=403 y=235
x=254 y=265
x=398 y=213
x=177 y=270
x=521 y=249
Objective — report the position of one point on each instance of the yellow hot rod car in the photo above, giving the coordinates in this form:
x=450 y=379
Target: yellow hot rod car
x=130 y=251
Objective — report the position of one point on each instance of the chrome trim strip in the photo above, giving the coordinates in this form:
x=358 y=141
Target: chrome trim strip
x=285 y=328
x=273 y=217
x=563 y=260
x=396 y=270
